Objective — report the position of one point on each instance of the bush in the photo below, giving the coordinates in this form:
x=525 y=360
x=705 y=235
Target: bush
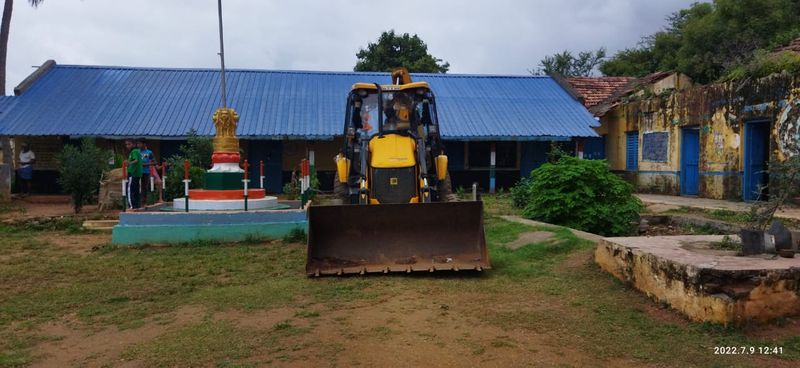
x=519 y=193
x=175 y=177
x=292 y=188
x=765 y=63
x=81 y=170
x=198 y=151
x=581 y=194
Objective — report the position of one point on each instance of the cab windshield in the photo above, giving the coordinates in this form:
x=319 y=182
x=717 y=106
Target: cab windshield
x=400 y=108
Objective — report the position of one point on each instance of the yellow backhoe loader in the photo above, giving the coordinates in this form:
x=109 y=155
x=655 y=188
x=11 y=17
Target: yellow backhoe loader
x=398 y=213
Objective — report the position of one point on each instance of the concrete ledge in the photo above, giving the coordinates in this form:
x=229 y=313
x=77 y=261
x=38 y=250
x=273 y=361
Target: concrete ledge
x=210 y=218
x=137 y=235
x=704 y=284
x=183 y=227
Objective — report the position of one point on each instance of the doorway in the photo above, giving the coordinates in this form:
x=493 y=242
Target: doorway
x=690 y=161
x=756 y=158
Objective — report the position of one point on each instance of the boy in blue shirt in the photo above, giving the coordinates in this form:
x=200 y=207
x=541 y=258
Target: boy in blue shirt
x=147 y=161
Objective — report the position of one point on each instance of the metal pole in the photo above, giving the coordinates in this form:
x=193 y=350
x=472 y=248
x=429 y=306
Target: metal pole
x=222 y=57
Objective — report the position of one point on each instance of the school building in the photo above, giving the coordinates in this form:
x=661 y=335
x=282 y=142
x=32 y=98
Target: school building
x=288 y=115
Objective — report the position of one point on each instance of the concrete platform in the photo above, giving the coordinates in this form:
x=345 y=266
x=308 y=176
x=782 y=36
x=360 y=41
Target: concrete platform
x=703 y=283
x=159 y=227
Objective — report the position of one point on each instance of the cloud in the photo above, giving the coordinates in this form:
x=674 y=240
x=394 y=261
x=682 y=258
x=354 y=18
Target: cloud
x=481 y=37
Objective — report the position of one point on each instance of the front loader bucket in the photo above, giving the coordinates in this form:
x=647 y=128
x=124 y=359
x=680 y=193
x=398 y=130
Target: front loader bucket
x=351 y=239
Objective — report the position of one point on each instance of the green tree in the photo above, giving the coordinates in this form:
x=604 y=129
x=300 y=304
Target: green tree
x=392 y=51
x=5 y=28
x=81 y=169
x=708 y=40
x=569 y=65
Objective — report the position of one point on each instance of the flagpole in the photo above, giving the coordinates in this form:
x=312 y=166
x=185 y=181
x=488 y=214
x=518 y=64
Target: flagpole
x=222 y=57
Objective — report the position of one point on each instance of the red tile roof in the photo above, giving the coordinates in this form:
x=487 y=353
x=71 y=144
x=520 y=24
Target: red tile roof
x=793 y=46
x=596 y=89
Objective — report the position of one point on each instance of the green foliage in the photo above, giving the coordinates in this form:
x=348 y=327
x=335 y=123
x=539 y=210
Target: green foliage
x=519 y=193
x=764 y=64
x=392 y=51
x=175 y=176
x=569 y=65
x=292 y=188
x=709 y=40
x=81 y=169
x=296 y=235
x=632 y=62
x=198 y=151
x=784 y=184
x=581 y=194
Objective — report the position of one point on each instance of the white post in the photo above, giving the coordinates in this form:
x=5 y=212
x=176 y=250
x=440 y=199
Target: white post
x=186 y=187
x=474 y=191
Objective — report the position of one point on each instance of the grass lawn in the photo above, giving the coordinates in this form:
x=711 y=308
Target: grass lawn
x=66 y=298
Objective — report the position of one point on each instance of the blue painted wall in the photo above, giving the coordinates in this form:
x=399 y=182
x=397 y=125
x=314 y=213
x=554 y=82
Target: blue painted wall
x=533 y=155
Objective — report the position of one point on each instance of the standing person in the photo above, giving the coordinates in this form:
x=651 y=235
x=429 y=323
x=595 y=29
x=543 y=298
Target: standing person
x=25 y=169
x=147 y=162
x=134 y=174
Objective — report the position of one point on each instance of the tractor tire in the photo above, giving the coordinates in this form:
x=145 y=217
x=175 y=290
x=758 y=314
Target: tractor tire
x=446 y=190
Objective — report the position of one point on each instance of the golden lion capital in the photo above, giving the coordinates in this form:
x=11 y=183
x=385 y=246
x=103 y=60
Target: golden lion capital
x=225 y=121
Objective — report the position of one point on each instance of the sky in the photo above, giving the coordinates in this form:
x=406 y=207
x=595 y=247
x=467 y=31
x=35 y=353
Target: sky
x=475 y=37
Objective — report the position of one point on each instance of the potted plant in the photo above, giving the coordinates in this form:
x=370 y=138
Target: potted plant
x=784 y=184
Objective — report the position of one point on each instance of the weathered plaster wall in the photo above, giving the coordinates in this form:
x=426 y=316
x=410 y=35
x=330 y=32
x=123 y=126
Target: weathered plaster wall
x=719 y=111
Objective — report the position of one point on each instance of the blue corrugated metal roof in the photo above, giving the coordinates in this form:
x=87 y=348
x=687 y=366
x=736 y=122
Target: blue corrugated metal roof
x=159 y=102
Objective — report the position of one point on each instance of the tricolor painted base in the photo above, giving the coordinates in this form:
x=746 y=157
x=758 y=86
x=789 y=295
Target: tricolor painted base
x=225 y=204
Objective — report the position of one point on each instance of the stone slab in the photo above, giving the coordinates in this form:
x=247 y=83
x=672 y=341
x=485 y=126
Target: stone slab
x=705 y=286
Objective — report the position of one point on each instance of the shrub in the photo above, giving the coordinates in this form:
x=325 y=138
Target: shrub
x=519 y=193
x=292 y=188
x=765 y=63
x=198 y=151
x=175 y=177
x=81 y=168
x=581 y=194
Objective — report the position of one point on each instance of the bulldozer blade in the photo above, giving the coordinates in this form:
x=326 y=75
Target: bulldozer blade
x=358 y=239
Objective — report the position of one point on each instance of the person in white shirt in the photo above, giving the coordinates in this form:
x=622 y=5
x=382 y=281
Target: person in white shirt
x=25 y=169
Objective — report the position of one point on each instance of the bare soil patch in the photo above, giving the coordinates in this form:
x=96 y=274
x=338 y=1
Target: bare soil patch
x=78 y=243
x=72 y=344
x=530 y=238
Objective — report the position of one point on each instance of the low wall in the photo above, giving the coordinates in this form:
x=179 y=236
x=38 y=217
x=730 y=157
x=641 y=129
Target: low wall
x=709 y=288
x=137 y=228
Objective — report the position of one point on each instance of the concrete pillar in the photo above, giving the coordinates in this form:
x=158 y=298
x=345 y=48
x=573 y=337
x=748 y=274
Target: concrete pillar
x=5 y=182
x=492 y=163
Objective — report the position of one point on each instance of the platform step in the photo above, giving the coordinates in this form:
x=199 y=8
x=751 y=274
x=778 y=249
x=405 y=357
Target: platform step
x=100 y=225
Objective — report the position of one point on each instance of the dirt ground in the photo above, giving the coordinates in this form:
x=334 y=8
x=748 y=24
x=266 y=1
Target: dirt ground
x=81 y=303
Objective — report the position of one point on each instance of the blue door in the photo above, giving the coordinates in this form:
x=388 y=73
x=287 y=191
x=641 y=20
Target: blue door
x=756 y=156
x=690 y=161
x=632 y=151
